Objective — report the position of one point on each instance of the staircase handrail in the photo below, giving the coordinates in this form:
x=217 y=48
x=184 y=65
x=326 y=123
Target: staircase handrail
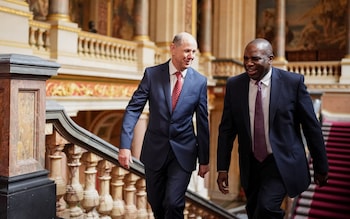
x=56 y=115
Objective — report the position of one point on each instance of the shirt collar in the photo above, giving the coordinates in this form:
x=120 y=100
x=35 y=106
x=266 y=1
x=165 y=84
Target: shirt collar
x=173 y=70
x=266 y=80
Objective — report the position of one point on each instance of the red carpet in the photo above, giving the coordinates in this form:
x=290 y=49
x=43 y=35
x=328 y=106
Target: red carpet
x=333 y=200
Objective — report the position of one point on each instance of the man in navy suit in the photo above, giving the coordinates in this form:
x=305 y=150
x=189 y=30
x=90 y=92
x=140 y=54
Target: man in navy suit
x=287 y=107
x=171 y=146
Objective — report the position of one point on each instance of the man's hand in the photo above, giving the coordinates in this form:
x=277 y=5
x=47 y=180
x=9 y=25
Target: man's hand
x=223 y=182
x=125 y=158
x=203 y=169
x=320 y=179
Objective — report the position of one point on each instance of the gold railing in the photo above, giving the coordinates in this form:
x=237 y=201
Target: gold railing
x=91 y=184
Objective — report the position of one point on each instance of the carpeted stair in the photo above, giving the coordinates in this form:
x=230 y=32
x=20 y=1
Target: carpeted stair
x=331 y=201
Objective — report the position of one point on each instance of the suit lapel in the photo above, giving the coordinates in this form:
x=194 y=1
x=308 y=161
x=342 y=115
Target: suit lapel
x=245 y=102
x=165 y=82
x=274 y=93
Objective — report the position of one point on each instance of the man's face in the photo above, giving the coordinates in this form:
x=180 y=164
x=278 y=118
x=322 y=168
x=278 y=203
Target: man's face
x=183 y=54
x=256 y=62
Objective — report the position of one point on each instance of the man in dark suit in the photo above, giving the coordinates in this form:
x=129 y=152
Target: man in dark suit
x=171 y=146
x=281 y=168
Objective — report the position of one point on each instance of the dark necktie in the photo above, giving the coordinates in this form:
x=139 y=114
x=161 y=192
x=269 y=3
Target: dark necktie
x=260 y=148
x=177 y=89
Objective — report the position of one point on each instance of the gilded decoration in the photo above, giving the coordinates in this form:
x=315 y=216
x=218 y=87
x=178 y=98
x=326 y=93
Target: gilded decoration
x=89 y=89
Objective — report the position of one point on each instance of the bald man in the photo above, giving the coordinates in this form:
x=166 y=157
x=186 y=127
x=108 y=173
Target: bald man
x=171 y=146
x=272 y=156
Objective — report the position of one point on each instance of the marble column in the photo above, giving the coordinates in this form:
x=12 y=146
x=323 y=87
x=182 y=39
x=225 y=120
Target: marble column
x=25 y=186
x=280 y=30
x=59 y=10
x=62 y=30
x=141 y=14
x=145 y=49
x=280 y=37
x=205 y=27
x=169 y=18
x=235 y=27
x=205 y=37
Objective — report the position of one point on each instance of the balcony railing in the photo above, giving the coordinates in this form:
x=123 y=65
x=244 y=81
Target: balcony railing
x=123 y=52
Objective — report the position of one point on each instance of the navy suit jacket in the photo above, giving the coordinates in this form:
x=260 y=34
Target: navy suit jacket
x=290 y=109
x=167 y=129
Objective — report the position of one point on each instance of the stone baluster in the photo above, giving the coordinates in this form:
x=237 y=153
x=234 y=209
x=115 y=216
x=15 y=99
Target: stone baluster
x=81 y=45
x=141 y=199
x=93 y=47
x=98 y=48
x=129 y=196
x=55 y=144
x=200 y=212
x=108 y=50
x=192 y=212
x=117 y=184
x=87 y=42
x=74 y=190
x=40 y=38
x=186 y=212
x=91 y=197
x=104 y=175
x=150 y=212
x=113 y=51
x=47 y=41
x=32 y=41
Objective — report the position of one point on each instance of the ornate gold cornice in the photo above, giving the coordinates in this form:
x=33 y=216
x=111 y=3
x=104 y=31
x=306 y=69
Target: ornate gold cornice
x=88 y=89
x=83 y=86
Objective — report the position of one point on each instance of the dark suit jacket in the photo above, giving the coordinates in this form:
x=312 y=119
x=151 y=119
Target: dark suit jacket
x=166 y=128
x=290 y=109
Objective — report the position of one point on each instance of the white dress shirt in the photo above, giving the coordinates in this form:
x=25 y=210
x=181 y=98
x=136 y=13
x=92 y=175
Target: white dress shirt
x=173 y=79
